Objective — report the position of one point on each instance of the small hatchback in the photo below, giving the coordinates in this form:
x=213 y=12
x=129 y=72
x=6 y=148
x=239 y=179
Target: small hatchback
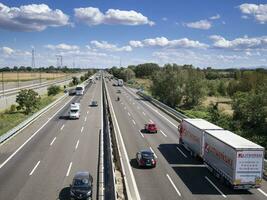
x=82 y=186
x=146 y=158
x=94 y=104
x=151 y=128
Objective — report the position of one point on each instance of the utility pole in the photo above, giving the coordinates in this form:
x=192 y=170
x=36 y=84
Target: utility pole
x=33 y=62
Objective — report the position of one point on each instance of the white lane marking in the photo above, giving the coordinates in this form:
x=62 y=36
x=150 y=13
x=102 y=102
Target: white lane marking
x=68 y=172
x=261 y=191
x=77 y=144
x=124 y=108
x=153 y=152
x=85 y=118
x=173 y=185
x=81 y=129
x=181 y=152
x=144 y=113
x=153 y=109
x=129 y=114
x=151 y=121
x=215 y=186
x=15 y=152
x=133 y=103
x=124 y=152
x=163 y=133
x=53 y=141
x=87 y=112
x=133 y=122
x=35 y=167
x=62 y=127
x=141 y=134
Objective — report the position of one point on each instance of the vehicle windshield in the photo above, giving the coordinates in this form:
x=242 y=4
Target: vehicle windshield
x=147 y=155
x=81 y=183
x=74 y=111
x=79 y=88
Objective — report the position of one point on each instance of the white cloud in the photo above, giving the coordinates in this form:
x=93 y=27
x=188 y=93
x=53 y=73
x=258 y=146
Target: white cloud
x=164 y=19
x=7 y=50
x=202 y=24
x=104 y=45
x=62 y=47
x=259 y=12
x=244 y=43
x=93 y=16
x=215 y=17
x=164 y=42
x=33 y=17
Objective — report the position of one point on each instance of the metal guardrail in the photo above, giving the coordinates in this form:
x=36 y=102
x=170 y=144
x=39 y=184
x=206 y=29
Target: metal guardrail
x=172 y=112
x=28 y=120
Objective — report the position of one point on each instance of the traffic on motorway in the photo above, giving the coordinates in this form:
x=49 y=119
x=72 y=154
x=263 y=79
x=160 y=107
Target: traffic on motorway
x=58 y=155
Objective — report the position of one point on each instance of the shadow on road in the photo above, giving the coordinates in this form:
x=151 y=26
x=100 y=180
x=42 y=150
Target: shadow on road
x=64 y=194
x=64 y=117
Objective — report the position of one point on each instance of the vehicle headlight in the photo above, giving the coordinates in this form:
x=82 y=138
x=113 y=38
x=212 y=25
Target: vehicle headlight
x=89 y=193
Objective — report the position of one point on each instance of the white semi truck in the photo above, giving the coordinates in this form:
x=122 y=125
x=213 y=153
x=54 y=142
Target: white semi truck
x=235 y=160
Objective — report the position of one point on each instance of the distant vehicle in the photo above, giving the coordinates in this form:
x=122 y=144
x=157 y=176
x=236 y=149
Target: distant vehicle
x=118 y=98
x=74 y=112
x=119 y=91
x=120 y=82
x=94 y=103
x=146 y=158
x=151 y=128
x=235 y=160
x=79 y=90
x=82 y=186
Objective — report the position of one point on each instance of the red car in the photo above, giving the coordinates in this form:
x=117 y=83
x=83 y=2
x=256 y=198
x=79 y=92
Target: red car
x=151 y=128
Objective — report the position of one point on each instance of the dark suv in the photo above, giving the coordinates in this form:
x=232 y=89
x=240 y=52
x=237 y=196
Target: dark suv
x=82 y=186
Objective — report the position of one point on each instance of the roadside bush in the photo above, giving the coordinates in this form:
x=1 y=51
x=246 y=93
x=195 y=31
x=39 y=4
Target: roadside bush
x=53 y=90
x=28 y=100
x=13 y=108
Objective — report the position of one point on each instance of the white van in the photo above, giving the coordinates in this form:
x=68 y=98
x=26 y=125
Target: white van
x=79 y=90
x=74 y=112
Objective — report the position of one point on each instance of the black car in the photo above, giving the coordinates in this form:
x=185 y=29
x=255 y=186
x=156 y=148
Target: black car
x=146 y=158
x=94 y=103
x=82 y=186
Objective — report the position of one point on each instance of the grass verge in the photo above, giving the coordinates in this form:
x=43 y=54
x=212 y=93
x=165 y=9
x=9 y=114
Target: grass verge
x=9 y=120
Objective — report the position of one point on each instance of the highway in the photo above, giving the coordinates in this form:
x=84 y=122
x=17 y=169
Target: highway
x=40 y=161
x=177 y=175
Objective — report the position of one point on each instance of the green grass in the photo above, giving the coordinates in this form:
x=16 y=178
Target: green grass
x=10 y=120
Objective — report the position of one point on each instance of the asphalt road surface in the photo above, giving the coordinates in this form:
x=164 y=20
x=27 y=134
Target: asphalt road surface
x=39 y=163
x=177 y=175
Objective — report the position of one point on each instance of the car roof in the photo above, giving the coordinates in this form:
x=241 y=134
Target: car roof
x=146 y=151
x=151 y=124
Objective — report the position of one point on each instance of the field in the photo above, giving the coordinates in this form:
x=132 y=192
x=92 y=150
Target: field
x=224 y=103
x=27 y=76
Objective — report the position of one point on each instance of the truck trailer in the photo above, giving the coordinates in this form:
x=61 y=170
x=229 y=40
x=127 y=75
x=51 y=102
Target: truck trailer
x=191 y=134
x=236 y=160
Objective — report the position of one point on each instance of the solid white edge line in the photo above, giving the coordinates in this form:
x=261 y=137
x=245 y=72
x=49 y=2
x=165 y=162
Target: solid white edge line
x=77 y=144
x=153 y=152
x=141 y=134
x=173 y=185
x=62 y=127
x=215 y=186
x=81 y=129
x=15 y=152
x=181 y=152
x=261 y=191
x=163 y=133
x=68 y=172
x=124 y=150
x=153 y=109
x=35 y=167
x=53 y=141
x=133 y=122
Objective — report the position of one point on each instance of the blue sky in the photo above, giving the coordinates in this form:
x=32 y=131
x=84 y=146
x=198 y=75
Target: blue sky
x=91 y=33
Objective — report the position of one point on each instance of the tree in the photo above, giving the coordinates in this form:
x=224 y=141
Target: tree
x=53 y=90
x=221 y=88
x=193 y=88
x=146 y=69
x=75 y=80
x=27 y=100
x=127 y=74
x=168 y=87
